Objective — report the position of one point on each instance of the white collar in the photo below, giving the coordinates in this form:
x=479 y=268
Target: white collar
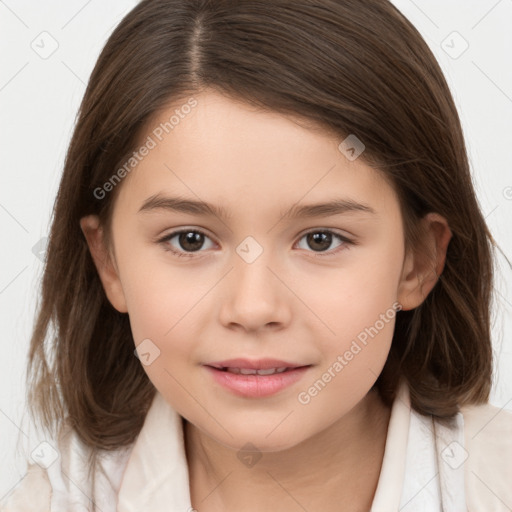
x=422 y=469
x=156 y=477
x=418 y=470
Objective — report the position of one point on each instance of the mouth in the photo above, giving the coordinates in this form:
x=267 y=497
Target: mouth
x=259 y=371
x=256 y=379
x=244 y=365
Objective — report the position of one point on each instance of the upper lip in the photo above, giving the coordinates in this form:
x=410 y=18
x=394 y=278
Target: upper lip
x=255 y=364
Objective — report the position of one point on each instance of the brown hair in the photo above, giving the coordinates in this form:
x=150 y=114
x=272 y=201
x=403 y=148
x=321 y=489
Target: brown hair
x=352 y=66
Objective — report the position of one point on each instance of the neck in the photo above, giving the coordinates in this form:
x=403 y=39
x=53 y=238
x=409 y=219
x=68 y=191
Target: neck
x=345 y=459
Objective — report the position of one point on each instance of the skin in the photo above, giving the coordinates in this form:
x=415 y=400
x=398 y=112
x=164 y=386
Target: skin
x=294 y=302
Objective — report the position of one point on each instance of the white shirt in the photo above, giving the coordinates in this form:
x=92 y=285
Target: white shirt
x=426 y=467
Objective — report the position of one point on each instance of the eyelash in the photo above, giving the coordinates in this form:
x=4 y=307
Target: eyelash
x=164 y=241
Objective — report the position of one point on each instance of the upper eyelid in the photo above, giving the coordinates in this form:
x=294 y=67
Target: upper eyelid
x=205 y=231
x=178 y=231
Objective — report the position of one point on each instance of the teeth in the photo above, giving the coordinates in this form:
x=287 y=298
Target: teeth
x=247 y=371
x=251 y=371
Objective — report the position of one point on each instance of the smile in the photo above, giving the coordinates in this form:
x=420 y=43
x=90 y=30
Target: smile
x=256 y=383
x=252 y=371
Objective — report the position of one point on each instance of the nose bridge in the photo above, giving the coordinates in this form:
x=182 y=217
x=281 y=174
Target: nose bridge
x=255 y=297
x=252 y=279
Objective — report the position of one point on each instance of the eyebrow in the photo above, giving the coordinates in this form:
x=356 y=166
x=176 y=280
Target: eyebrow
x=190 y=206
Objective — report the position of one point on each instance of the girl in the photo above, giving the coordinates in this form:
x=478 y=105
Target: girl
x=268 y=275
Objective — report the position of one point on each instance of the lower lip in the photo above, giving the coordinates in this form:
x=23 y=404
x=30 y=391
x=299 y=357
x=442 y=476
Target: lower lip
x=257 y=386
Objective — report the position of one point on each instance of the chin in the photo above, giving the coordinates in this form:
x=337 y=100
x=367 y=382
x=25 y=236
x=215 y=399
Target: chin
x=245 y=439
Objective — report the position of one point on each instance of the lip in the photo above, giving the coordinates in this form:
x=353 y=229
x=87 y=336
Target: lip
x=256 y=364
x=256 y=386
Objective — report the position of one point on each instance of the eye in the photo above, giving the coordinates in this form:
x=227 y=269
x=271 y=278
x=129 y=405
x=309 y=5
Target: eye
x=189 y=241
x=322 y=239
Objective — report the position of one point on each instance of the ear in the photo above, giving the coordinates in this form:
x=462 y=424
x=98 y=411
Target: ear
x=105 y=263
x=423 y=265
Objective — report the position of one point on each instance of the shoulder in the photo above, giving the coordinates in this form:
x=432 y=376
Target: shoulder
x=488 y=444
x=488 y=424
x=32 y=494
x=487 y=417
x=35 y=490
x=53 y=481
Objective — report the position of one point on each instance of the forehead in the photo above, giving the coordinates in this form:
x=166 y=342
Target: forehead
x=234 y=154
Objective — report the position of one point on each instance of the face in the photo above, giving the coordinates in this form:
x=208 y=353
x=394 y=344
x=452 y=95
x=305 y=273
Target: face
x=255 y=279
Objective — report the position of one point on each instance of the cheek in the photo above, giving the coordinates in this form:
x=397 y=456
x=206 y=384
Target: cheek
x=159 y=294
x=162 y=322
x=166 y=307
x=358 y=309
x=362 y=322
x=167 y=313
x=355 y=296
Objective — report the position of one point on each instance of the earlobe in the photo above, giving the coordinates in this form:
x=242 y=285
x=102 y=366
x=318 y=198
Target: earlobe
x=423 y=267
x=103 y=261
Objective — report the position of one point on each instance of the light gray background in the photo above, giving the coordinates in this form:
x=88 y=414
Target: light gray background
x=39 y=99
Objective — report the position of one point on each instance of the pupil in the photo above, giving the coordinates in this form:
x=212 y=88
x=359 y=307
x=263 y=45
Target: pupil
x=324 y=239
x=191 y=241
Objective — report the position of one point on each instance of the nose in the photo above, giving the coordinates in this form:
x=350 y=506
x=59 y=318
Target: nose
x=255 y=296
